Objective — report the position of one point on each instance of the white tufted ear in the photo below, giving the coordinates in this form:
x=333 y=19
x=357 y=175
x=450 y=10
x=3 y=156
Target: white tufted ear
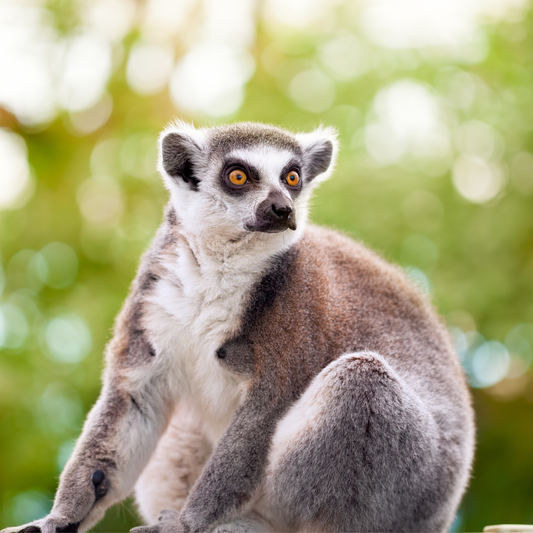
x=320 y=149
x=180 y=152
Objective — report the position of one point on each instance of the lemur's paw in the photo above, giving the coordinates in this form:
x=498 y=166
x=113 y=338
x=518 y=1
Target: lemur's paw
x=168 y=523
x=48 y=524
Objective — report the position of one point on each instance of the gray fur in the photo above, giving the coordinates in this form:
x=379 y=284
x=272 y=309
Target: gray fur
x=373 y=464
x=350 y=411
x=317 y=159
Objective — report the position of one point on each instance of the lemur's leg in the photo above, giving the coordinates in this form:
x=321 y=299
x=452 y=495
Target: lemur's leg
x=174 y=467
x=120 y=432
x=235 y=469
x=118 y=438
x=357 y=452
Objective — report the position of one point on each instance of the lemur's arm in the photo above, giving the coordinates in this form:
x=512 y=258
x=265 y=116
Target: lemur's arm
x=233 y=472
x=236 y=468
x=120 y=432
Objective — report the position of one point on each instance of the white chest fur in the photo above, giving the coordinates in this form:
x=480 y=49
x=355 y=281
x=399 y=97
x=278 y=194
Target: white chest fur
x=194 y=309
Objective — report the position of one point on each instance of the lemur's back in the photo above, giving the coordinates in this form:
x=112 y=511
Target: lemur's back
x=328 y=295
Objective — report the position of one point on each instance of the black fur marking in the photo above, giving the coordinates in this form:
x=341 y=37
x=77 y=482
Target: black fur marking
x=135 y=404
x=30 y=529
x=98 y=477
x=172 y=219
x=101 y=484
x=317 y=159
x=147 y=281
x=237 y=355
x=265 y=292
x=138 y=346
x=177 y=158
x=69 y=528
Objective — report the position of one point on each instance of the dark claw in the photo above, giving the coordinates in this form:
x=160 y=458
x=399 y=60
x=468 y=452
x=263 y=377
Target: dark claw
x=30 y=529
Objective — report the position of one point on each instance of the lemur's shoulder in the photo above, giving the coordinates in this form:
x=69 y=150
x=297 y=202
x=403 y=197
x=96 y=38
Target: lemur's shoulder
x=352 y=268
x=329 y=295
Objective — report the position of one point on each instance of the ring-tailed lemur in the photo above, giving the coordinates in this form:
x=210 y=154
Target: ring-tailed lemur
x=266 y=374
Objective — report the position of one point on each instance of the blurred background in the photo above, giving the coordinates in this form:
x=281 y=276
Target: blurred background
x=433 y=100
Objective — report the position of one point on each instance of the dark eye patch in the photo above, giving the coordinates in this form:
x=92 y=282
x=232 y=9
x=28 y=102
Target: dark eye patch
x=229 y=166
x=292 y=166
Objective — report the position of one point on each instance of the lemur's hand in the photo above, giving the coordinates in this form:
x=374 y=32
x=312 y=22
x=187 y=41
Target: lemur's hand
x=49 y=524
x=169 y=522
x=76 y=502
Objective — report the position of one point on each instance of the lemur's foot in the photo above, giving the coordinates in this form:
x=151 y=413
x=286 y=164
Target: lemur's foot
x=48 y=524
x=168 y=523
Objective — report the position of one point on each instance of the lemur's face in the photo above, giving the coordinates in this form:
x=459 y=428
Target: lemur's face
x=244 y=178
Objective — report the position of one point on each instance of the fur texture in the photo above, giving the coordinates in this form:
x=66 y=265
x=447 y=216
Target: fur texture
x=265 y=374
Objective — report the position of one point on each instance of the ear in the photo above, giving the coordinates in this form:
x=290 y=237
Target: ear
x=180 y=150
x=319 y=149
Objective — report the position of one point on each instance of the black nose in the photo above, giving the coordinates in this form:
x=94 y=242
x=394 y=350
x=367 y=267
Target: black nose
x=279 y=211
x=274 y=214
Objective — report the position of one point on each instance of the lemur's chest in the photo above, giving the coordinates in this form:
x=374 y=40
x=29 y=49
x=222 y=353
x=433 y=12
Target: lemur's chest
x=200 y=309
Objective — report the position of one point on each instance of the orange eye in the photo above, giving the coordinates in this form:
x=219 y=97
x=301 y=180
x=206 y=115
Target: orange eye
x=238 y=177
x=292 y=179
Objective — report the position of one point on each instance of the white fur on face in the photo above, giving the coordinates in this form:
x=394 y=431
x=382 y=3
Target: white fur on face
x=220 y=218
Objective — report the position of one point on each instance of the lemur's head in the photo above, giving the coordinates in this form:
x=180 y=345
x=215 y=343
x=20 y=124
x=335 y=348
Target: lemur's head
x=244 y=179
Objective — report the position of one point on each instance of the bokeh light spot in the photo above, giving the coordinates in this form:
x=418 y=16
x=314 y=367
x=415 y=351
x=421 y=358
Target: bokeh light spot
x=14 y=328
x=138 y=155
x=63 y=454
x=419 y=279
x=67 y=338
x=479 y=139
x=477 y=180
x=87 y=66
x=89 y=120
x=519 y=343
x=344 y=57
x=149 y=67
x=210 y=79
x=447 y=26
x=489 y=364
x=105 y=158
x=30 y=505
x=100 y=201
x=406 y=119
x=15 y=179
x=312 y=90
x=112 y=19
x=61 y=265
x=60 y=409
x=298 y=13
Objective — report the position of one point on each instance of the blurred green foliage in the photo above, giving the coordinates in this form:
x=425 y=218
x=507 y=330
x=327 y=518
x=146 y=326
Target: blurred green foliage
x=99 y=195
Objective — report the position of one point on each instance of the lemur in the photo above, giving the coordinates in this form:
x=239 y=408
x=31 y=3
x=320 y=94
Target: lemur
x=266 y=374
